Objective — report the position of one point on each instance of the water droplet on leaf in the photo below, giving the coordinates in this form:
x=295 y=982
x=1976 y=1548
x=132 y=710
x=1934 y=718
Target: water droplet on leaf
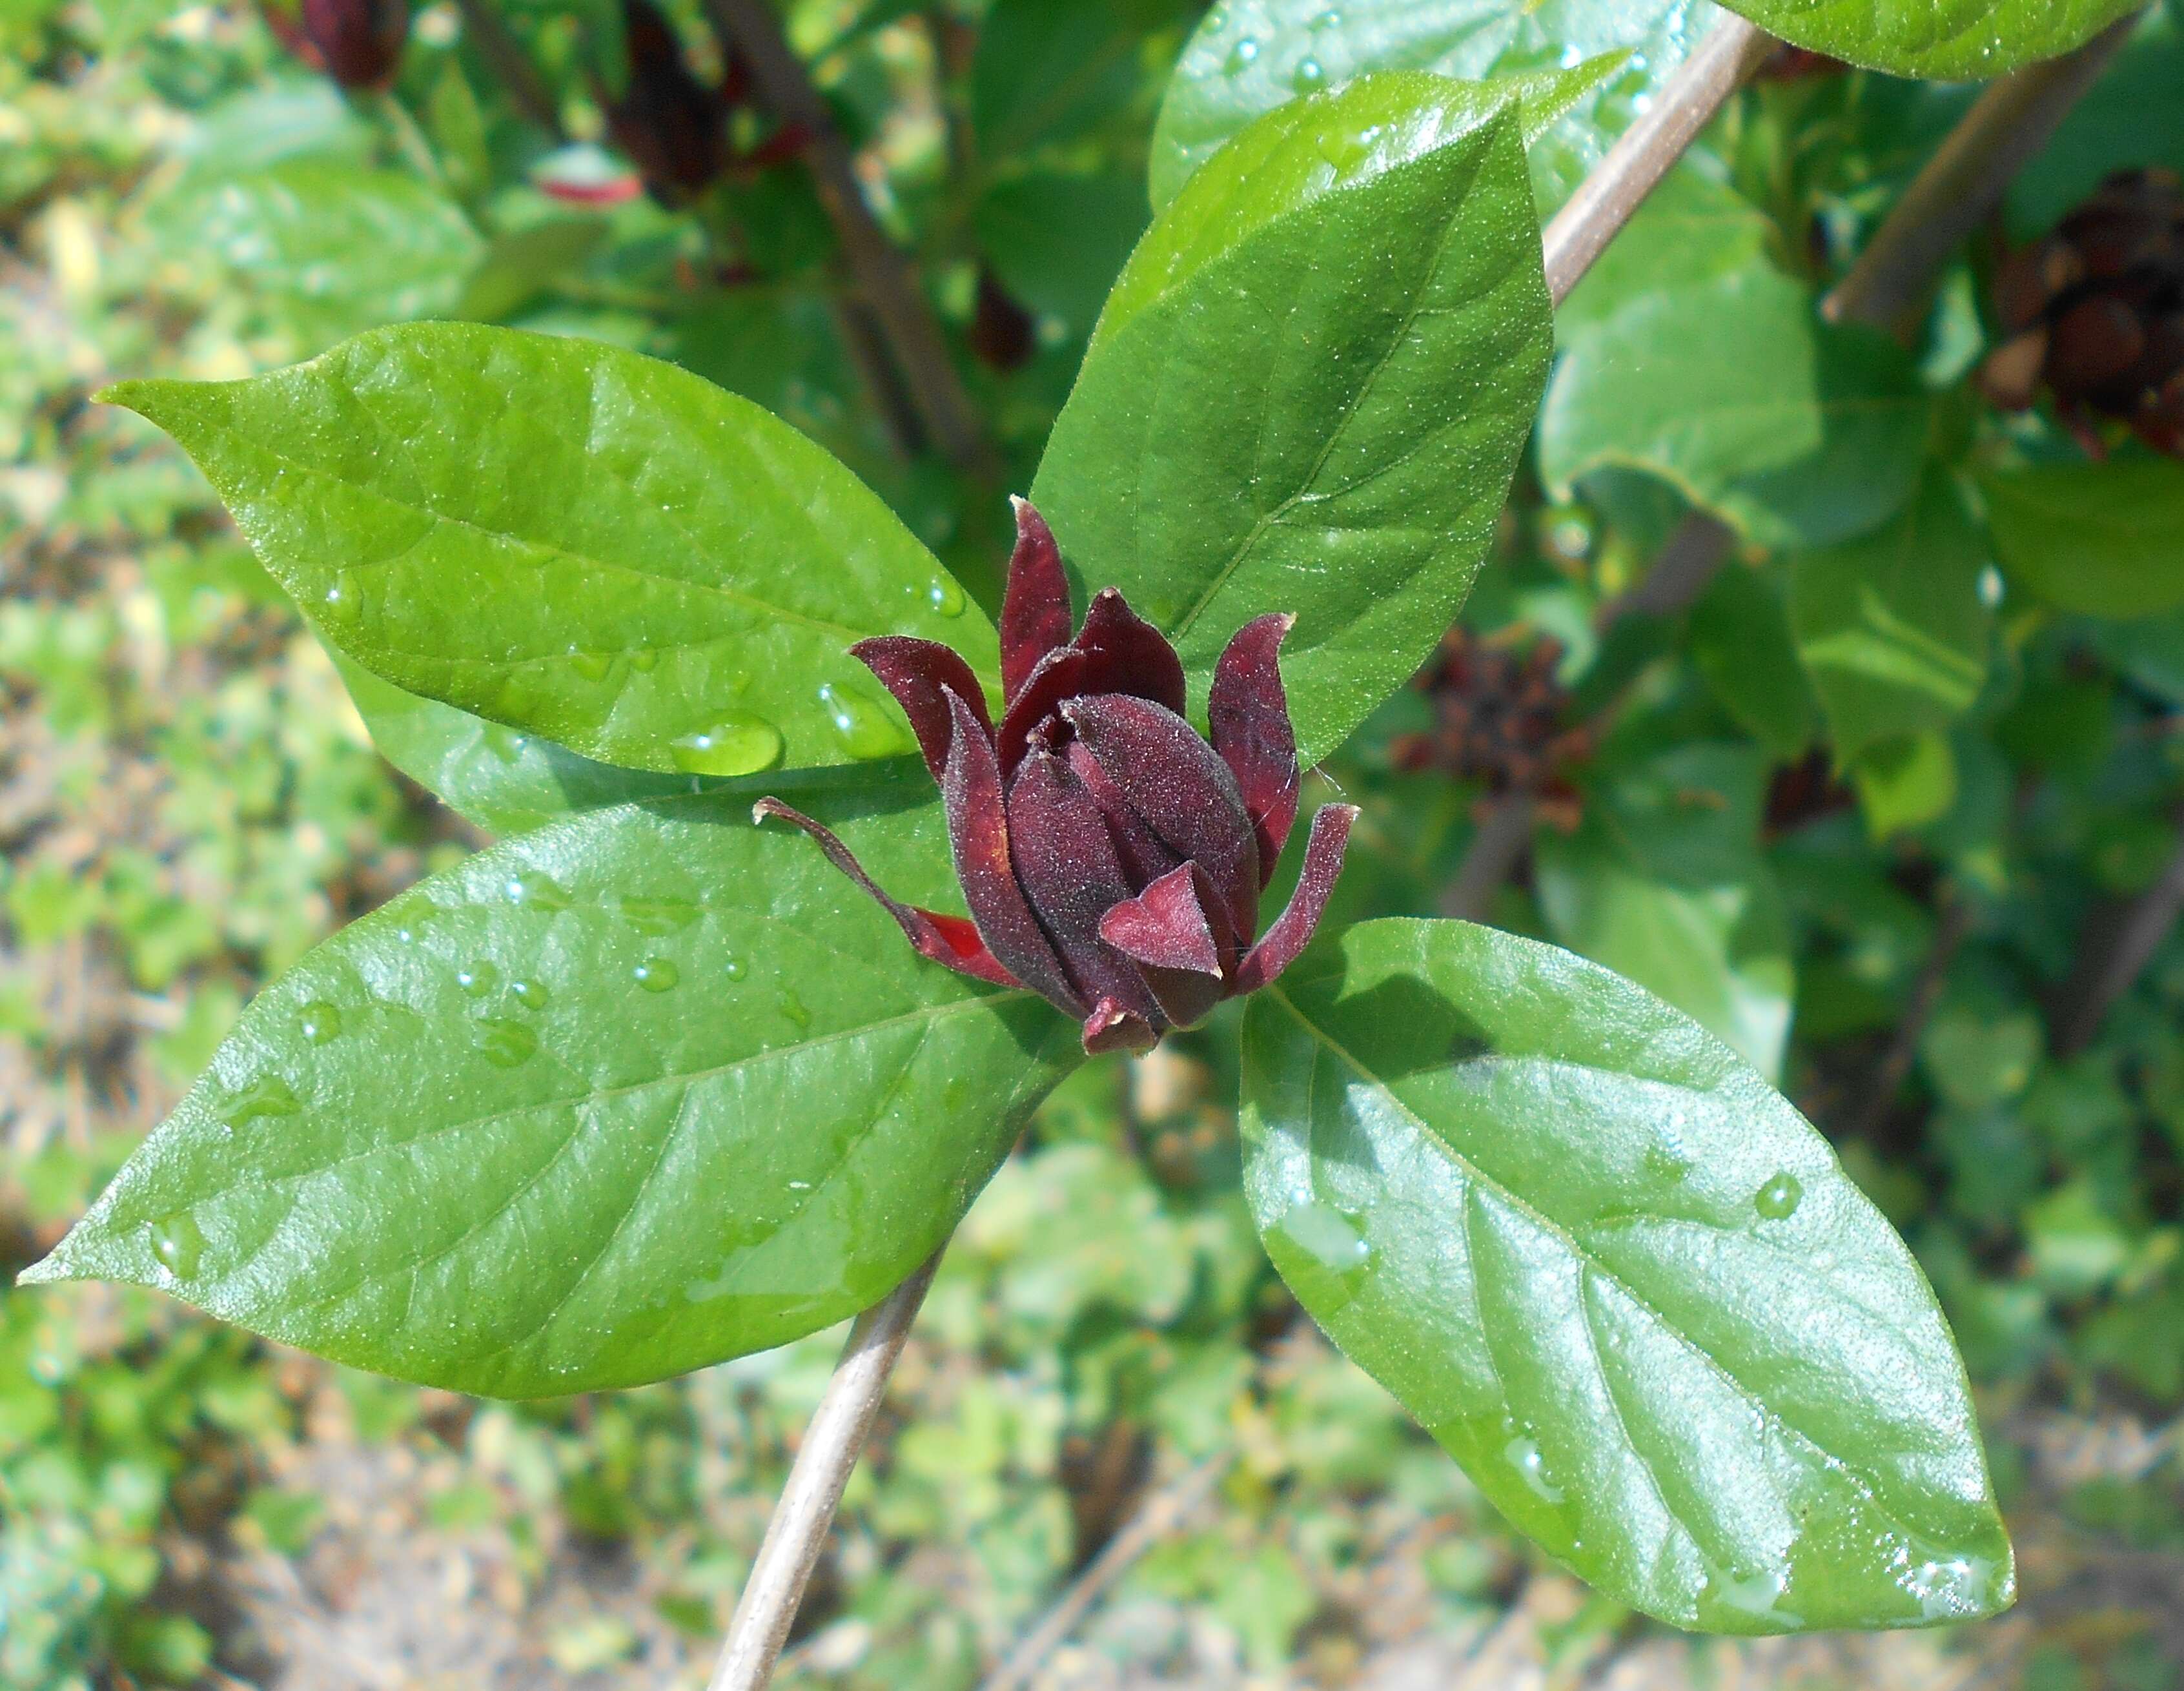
x=536 y=889
x=654 y=916
x=267 y=1095
x=644 y=660
x=479 y=979
x=532 y=995
x=656 y=974
x=1241 y=55
x=1778 y=1200
x=320 y=1022
x=739 y=744
x=864 y=727
x=179 y=1242
x=592 y=665
x=504 y=1044
x=1309 y=75
x=943 y=596
x=1523 y=1453
x=793 y=1007
x=734 y=968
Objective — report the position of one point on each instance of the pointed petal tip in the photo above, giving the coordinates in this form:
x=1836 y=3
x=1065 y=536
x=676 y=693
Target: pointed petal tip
x=1165 y=925
x=1283 y=942
x=1111 y=1027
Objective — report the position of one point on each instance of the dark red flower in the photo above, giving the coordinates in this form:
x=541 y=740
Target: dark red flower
x=357 y=42
x=674 y=128
x=1111 y=858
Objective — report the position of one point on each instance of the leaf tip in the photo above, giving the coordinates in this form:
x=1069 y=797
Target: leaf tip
x=49 y=1269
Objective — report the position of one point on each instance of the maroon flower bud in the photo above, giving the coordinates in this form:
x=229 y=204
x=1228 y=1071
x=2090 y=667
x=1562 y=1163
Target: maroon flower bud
x=674 y=129
x=1003 y=335
x=357 y=42
x=2094 y=312
x=1111 y=858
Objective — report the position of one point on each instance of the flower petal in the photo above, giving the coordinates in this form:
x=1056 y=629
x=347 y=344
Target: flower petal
x=1248 y=714
x=1110 y=1027
x=1292 y=930
x=1035 y=604
x=1185 y=793
x=1126 y=654
x=978 y=832
x=1067 y=867
x=1165 y=925
x=947 y=939
x=917 y=672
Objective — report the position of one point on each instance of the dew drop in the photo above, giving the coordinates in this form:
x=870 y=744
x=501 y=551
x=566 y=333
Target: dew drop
x=656 y=974
x=267 y=1094
x=865 y=729
x=793 y=1007
x=535 y=889
x=504 y=745
x=532 y=995
x=1326 y=1235
x=592 y=665
x=739 y=744
x=734 y=968
x=478 y=978
x=644 y=660
x=1309 y=75
x=1778 y=1200
x=504 y=1044
x=1330 y=20
x=179 y=1242
x=943 y=596
x=654 y=916
x=320 y=1022
x=1241 y=55
x=1523 y=1453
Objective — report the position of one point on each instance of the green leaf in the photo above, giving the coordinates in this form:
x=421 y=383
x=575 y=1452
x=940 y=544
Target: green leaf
x=1686 y=353
x=504 y=781
x=1620 y=1279
x=1742 y=643
x=1249 y=57
x=344 y=248
x=522 y=264
x=1904 y=780
x=1945 y=40
x=1324 y=415
x=1891 y=627
x=1057 y=242
x=642 y=1089
x=2104 y=539
x=1049 y=70
x=2129 y=119
x=574 y=541
x=1664 y=882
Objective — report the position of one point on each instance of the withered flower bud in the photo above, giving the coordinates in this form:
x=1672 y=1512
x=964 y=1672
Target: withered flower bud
x=1500 y=720
x=1112 y=860
x=1003 y=335
x=357 y=42
x=2094 y=311
x=674 y=129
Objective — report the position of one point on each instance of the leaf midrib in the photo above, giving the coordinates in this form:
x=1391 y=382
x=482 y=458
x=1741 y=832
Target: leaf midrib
x=1591 y=1263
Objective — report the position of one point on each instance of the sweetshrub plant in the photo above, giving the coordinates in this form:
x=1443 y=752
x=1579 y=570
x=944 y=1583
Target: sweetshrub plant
x=650 y=1083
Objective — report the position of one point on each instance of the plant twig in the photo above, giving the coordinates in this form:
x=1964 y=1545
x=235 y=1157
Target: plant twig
x=1498 y=846
x=1160 y=1515
x=2119 y=943
x=505 y=56
x=1643 y=154
x=1962 y=184
x=831 y=1445
x=883 y=273
x=1950 y=932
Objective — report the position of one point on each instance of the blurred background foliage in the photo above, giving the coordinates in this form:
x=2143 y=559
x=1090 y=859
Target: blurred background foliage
x=1855 y=808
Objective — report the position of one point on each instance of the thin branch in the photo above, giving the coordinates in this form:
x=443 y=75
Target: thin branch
x=505 y=56
x=1962 y=184
x=1950 y=932
x=1160 y=1515
x=831 y=1445
x=1504 y=834
x=1645 y=153
x=883 y=274
x=2119 y=943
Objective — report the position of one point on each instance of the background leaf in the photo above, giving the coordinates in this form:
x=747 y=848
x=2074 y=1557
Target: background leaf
x=1620 y=1279
x=574 y=541
x=1249 y=56
x=1944 y=39
x=1742 y=642
x=642 y=1089
x=1687 y=354
x=2105 y=539
x=1324 y=419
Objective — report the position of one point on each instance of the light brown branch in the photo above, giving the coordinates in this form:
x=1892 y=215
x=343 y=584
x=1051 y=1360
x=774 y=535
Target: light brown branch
x=831 y=1445
x=1962 y=184
x=2120 y=943
x=883 y=274
x=505 y=56
x=1643 y=154
x=1160 y=1515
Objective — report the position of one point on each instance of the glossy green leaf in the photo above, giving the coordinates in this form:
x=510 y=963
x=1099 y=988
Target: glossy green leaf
x=642 y=1089
x=1687 y=354
x=342 y=247
x=1620 y=1279
x=1249 y=57
x=505 y=781
x=522 y=264
x=1892 y=628
x=574 y=541
x=1742 y=643
x=1664 y=882
x=1947 y=40
x=1322 y=419
x=2106 y=540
